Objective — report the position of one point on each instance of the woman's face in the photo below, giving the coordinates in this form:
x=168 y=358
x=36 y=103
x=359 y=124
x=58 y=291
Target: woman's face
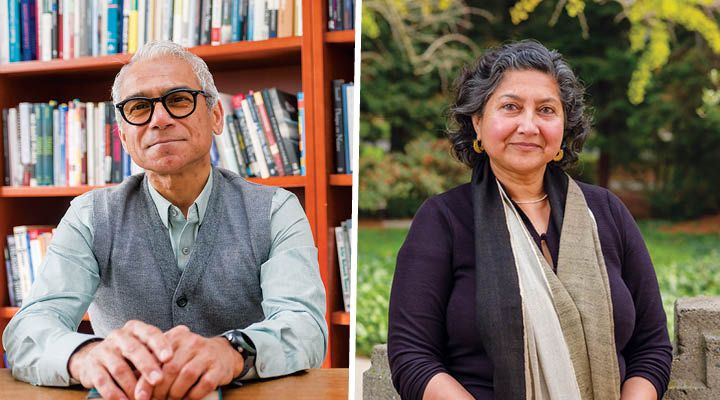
x=522 y=125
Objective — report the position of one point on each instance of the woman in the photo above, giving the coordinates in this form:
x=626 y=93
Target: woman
x=524 y=284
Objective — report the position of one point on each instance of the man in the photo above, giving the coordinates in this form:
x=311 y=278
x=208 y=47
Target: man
x=196 y=277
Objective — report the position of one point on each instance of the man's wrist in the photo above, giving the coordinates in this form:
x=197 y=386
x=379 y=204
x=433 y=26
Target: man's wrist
x=75 y=360
x=243 y=346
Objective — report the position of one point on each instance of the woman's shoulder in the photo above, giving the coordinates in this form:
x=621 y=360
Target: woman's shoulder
x=606 y=205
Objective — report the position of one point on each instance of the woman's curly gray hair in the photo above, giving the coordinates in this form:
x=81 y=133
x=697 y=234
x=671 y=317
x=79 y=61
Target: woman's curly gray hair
x=477 y=83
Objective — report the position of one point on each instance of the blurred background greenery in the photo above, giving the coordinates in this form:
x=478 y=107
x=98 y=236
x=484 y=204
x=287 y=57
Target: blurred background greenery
x=649 y=67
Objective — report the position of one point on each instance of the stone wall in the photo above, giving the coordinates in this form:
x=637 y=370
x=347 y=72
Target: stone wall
x=696 y=362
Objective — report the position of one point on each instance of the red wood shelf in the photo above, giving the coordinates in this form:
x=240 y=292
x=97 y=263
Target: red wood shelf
x=9 y=312
x=344 y=37
x=72 y=191
x=340 y=318
x=264 y=52
x=341 y=179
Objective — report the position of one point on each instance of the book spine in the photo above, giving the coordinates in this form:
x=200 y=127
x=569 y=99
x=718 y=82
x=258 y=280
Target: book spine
x=232 y=133
x=298 y=23
x=141 y=22
x=4 y=32
x=226 y=22
x=6 y=147
x=56 y=146
x=301 y=131
x=284 y=106
x=23 y=257
x=14 y=147
x=34 y=131
x=348 y=14
x=167 y=20
x=48 y=142
x=108 y=129
x=235 y=20
x=342 y=267
x=61 y=29
x=90 y=140
x=250 y=18
x=275 y=129
x=269 y=135
x=339 y=132
x=14 y=31
x=286 y=11
x=112 y=26
x=206 y=21
x=255 y=138
x=28 y=15
x=273 y=15
x=216 y=22
x=62 y=145
x=15 y=271
x=245 y=133
x=346 y=134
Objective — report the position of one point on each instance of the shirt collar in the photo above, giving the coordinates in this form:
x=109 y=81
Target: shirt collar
x=163 y=205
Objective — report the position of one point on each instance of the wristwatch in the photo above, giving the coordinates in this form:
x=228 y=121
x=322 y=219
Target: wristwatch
x=243 y=344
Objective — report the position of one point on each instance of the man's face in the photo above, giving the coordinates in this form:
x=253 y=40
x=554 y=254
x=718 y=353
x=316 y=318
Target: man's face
x=167 y=145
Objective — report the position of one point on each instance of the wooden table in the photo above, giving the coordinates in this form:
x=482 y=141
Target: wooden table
x=315 y=384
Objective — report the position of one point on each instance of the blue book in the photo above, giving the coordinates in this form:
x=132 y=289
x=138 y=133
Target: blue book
x=28 y=37
x=113 y=14
x=14 y=32
x=236 y=21
x=250 y=17
x=61 y=146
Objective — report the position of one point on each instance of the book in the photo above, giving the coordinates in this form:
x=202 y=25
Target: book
x=343 y=244
x=340 y=162
x=269 y=134
x=301 y=130
x=285 y=111
x=260 y=133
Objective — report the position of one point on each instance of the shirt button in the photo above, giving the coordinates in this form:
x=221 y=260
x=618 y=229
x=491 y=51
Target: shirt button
x=173 y=212
x=186 y=250
x=181 y=302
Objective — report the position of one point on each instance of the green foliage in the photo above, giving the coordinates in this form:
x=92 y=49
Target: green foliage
x=395 y=184
x=652 y=23
x=686 y=266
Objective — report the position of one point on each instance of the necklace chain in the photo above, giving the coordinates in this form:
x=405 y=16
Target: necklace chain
x=532 y=201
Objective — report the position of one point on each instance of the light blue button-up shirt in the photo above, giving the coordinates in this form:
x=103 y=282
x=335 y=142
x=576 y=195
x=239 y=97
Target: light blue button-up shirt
x=40 y=339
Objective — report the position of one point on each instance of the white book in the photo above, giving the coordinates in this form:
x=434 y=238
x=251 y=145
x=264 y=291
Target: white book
x=90 y=140
x=77 y=28
x=142 y=21
x=298 y=18
x=14 y=148
x=226 y=28
x=45 y=30
x=57 y=156
x=74 y=145
x=252 y=128
x=260 y=26
x=25 y=141
x=167 y=19
x=216 y=22
x=193 y=25
x=151 y=22
x=342 y=251
x=94 y=34
x=186 y=32
x=177 y=22
x=68 y=7
x=23 y=259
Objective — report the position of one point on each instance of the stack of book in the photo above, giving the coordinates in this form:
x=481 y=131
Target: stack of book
x=68 y=144
x=64 y=29
x=343 y=122
x=343 y=233
x=262 y=134
x=341 y=15
x=24 y=253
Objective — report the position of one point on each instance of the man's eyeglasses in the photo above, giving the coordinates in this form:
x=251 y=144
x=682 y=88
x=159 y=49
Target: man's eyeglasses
x=179 y=103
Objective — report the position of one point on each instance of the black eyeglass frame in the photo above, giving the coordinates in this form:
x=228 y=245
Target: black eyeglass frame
x=161 y=99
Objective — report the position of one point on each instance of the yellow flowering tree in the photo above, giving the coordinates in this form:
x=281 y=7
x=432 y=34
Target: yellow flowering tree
x=651 y=27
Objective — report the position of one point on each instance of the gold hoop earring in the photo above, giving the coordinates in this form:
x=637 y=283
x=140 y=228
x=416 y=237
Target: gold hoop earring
x=477 y=146
x=559 y=156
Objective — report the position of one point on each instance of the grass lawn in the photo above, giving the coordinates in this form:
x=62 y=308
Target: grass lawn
x=686 y=265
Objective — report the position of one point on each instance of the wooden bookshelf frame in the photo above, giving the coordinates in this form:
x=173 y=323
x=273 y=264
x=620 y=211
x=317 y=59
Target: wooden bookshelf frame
x=326 y=198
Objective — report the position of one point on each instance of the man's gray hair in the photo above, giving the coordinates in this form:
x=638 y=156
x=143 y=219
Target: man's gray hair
x=166 y=48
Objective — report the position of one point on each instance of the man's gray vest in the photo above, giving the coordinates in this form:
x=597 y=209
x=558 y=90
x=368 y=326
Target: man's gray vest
x=139 y=277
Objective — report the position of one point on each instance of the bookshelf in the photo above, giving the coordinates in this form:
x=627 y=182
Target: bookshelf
x=306 y=63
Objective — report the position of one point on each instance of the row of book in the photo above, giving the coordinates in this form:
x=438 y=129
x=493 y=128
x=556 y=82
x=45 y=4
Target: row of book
x=65 y=29
x=24 y=253
x=341 y=15
x=343 y=233
x=343 y=111
x=263 y=134
x=69 y=144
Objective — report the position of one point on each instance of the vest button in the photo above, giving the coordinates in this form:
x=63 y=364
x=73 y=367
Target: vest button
x=186 y=250
x=181 y=302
